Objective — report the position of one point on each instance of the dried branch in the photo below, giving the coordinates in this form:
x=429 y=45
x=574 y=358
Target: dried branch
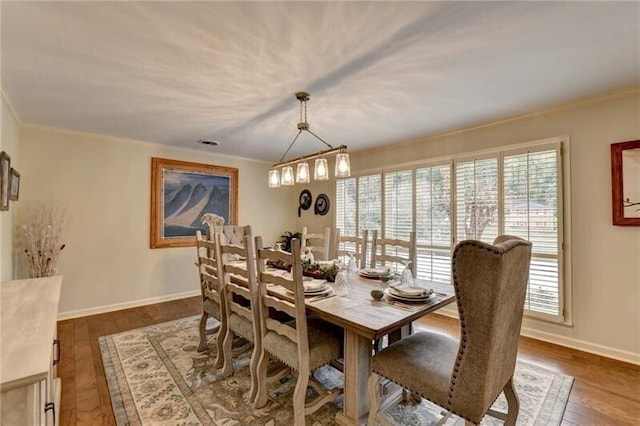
x=43 y=227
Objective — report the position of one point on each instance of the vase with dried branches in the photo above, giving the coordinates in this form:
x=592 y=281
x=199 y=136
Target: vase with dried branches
x=42 y=228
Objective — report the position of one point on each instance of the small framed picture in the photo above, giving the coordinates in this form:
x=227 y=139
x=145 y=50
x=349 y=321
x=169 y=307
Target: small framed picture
x=5 y=178
x=14 y=187
x=625 y=181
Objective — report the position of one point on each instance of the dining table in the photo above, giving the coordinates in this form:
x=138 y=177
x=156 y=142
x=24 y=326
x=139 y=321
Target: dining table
x=365 y=320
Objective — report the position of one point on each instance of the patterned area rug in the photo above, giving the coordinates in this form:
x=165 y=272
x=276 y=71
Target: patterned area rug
x=156 y=377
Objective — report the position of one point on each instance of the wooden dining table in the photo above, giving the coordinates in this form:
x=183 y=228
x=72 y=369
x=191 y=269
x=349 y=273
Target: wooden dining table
x=364 y=320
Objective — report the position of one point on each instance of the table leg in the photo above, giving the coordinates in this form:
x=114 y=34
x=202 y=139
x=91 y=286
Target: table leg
x=357 y=367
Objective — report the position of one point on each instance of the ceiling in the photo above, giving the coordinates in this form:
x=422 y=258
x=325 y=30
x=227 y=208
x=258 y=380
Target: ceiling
x=378 y=72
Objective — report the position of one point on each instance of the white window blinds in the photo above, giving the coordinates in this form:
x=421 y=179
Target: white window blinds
x=369 y=204
x=433 y=222
x=515 y=192
x=531 y=212
x=477 y=199
x=346 y=206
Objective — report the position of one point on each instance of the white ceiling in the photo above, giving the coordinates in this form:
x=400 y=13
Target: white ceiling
x=378 y=73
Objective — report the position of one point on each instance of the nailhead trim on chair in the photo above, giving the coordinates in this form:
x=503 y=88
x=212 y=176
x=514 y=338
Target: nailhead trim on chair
x=463 y=325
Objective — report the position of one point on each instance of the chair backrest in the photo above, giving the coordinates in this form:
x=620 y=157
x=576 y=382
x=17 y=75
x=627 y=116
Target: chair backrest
x=292 y=308
x=215 y=225
x=346 y=244
x=210 y=284
x=318 y=243
x=243 y=285
x=394 y=251
x=490 y=282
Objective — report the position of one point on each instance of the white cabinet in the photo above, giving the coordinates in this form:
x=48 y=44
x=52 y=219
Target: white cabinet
x=29 y=352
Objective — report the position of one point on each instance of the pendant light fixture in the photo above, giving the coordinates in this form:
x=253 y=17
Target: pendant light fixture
x=281 y=174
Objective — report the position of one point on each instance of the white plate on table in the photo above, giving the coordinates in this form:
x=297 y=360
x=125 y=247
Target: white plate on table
x=374 y=273
x=413 y=292
x=415 y=299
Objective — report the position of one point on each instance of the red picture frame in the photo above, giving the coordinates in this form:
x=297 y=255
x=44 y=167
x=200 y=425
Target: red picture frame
x=625 y=183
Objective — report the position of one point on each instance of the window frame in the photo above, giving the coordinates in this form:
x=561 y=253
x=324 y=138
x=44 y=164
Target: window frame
x=562 y=146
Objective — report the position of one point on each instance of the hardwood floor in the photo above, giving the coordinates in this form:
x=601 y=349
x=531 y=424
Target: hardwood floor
x=605 y=391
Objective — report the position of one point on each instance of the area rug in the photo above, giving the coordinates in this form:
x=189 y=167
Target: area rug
x=156 y=377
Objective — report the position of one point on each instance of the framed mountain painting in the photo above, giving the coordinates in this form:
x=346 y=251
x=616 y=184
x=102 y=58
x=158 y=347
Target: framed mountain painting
x=181 y=192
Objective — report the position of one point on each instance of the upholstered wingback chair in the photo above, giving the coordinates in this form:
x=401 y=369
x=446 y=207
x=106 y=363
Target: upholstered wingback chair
x=465 y=377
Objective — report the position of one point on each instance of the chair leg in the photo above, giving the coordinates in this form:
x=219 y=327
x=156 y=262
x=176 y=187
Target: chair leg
x=374 y=399
x=261 y=396
x=512 y=402
x=227 y=355
x=299 y=394
x=253 y=369
x=203 y=332
x=220 y=350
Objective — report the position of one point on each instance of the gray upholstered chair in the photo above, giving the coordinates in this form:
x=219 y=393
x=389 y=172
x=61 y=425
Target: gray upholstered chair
x=466 y=377
x=303 y=344
x=346 y=244
x=318 y=243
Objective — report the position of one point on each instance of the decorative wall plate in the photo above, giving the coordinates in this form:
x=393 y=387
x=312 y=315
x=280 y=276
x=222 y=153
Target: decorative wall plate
x=322 y=205
x=305 y=199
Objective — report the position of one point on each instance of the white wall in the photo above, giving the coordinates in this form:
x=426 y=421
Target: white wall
x=9 y=142
x=605 y=259
x=105 y=185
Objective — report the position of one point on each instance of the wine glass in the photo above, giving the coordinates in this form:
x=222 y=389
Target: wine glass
x=340 y=281
x=352 y=267
x=406 y=278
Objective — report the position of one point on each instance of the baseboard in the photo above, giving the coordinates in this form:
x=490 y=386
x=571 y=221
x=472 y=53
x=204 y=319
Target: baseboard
x=125 y=305
x=581 y=345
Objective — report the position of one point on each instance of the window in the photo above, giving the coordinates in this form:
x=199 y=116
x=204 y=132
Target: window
x=358 y=204
x=433 y=222
x=531 y=186
x=516 y=192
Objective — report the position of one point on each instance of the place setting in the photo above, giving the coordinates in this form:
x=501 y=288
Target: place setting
x=317 y=289
x=409 y=293
x=375 y=273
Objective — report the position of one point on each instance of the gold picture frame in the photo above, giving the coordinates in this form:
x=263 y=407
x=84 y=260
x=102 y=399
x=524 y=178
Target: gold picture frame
x=625 y=183
x=181 y=192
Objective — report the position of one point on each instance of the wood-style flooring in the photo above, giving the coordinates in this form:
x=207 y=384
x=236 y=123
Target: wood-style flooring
x=605 y=391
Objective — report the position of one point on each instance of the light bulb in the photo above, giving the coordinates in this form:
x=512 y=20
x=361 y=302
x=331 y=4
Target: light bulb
x=320 y=172
x=274 y=178
x=302 y=173
x=287 y=176
x=343 y=169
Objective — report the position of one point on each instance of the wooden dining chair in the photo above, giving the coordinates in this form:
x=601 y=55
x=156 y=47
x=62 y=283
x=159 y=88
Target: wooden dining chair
x=465 y=377
x=210 y=308
x=394 y=251
x=319 y=244
x=302 y=343
x=241 y=300
x=346 y=244
x=213 y=304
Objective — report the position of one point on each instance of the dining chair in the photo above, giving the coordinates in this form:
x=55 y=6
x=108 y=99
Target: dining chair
x=302 y=343
x=210 y=308
x=346 y=244
x=318 y=243
x=213 y=304
x=465 y=377
x=237 y=265
x=394 y=251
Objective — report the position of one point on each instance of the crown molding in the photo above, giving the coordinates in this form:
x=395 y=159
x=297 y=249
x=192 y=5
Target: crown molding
x=630 y=91
x=13 y=111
